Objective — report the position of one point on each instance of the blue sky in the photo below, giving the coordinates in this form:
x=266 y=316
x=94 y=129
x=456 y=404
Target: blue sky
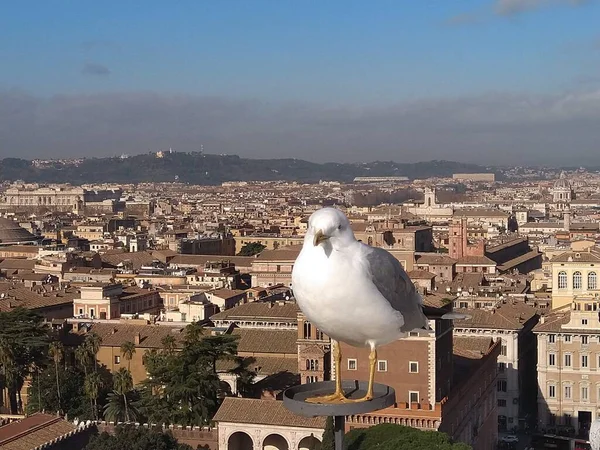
x=346 y=54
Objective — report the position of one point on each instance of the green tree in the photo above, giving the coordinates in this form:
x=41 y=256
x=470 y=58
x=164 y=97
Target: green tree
x=244 y=374
x=328 y=442
x=24 y=342
x=92 y=342
x=396 y=437
x=44 y=396
x=92 y=385
x=251 y=249
x=136 y=438
x=57 y=352
x=128 y=350
x=123 y=384
x=169 y=344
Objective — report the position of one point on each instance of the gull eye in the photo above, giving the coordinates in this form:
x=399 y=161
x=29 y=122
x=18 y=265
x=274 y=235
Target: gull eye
x=339 y=227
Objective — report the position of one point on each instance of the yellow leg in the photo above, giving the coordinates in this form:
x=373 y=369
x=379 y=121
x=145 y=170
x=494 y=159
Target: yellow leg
x=373 y=364
x=338 y=395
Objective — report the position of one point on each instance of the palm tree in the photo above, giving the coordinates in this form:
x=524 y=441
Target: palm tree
x=123 y=383
x=169 y=344
x=57 y=352
x=92 y=385
x=93 y=342
x=128 y=350
x=83 y=357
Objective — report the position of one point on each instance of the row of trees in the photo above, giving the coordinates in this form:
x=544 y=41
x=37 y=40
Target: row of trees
x=182 y=386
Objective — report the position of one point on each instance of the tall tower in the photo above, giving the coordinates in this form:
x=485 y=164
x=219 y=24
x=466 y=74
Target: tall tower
x=457 y=239
x=567 y=220
x=314 y=352
x=429 y=197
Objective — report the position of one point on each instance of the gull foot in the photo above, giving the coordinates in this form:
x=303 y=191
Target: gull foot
x=337 y=397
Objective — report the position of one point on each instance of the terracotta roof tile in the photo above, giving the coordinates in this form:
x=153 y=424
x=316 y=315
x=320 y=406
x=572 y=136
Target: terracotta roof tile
x=287 y=253
x=256 y=340
x=115 y=334
x=260 y=310
x=263 y=412
x=33 y=431
x=506 y=317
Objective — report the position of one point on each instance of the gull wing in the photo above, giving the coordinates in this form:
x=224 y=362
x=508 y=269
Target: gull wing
x=396 y=287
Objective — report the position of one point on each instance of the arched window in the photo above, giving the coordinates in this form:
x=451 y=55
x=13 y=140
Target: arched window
x=307 y=364
x=316 y=364
x=592 y=281
x=562 y=280
x=307 y=380
x=312 y=364
x=577 y=280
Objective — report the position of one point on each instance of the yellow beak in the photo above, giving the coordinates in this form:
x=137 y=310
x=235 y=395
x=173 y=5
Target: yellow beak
x=319 y=237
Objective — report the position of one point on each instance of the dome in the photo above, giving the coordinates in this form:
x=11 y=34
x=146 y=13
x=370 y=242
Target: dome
x=562 y=184
x=12 y=233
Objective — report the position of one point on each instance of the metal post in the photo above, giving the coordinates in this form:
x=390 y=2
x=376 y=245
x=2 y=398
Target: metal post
x=338 y=431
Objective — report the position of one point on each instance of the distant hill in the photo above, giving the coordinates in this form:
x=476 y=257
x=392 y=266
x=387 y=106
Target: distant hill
x=198 y=168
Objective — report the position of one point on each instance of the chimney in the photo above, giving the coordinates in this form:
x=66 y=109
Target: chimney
x=136 y=339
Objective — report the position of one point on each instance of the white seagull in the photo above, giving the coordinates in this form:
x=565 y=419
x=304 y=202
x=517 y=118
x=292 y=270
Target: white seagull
x=595 y=435
x=353 y=292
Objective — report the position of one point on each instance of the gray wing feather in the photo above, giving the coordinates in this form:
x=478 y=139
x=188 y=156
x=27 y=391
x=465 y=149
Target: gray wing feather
x=394 y=284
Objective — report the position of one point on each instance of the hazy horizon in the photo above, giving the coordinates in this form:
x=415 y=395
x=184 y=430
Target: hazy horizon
x=492 y=82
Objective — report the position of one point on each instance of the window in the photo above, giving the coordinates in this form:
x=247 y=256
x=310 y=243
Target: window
x=552 y=338
x=567 y=391
x=307 y=364
x=567 y=360
x=562 y=280
x=501 y=367
x=577 y=283
x=92 y=312
x=501 y=402
x=592 y=281
x=584 y=361
x=584 y=339
x=567 y=338
x=413 y=367
x=552 y=391
x=584 y=322
x=351 y=364
x=501 y=385
x=117 y=360
x=413 y=333
x=584 y=393
x=81 y=311
x=551 y=359
x=413 y=396
x=382 y=366
x=503 y=350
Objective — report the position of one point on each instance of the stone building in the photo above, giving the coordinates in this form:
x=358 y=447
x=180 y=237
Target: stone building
x=511 y=323
x=11 y=233
x=110 y=301
x=574 y=273
x=249 y=424
x=272 y=267
x=568 y=365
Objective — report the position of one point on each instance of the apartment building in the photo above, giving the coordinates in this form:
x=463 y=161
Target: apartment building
x=568 y=365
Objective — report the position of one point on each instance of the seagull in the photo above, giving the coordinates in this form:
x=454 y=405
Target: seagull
x=594 y=437
x=353 y=292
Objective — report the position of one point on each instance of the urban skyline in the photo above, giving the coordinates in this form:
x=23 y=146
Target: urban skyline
x=493 y=82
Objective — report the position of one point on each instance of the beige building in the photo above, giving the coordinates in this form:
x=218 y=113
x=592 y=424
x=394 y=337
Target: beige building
x=247 y=424
x=270 y=242
x=274 y=267
x=573 y=274
x=569 y=365
x=110 y=301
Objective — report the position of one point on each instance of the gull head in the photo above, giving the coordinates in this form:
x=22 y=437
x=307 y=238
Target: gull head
x=329 y=227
